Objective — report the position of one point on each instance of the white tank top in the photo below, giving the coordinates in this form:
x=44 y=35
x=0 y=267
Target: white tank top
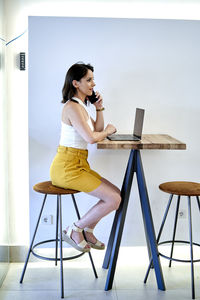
x=70 y=137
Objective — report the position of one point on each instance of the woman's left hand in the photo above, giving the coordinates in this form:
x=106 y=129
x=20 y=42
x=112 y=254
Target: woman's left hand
x=99 y=103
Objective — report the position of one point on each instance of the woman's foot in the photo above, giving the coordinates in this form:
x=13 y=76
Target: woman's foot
x=73 y=235
x=92 y=240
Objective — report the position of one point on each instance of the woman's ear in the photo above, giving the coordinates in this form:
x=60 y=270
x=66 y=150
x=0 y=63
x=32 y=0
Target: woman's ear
x=75 y=83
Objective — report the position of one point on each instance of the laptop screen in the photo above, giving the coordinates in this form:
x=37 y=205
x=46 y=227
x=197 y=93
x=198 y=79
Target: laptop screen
x=139 y=117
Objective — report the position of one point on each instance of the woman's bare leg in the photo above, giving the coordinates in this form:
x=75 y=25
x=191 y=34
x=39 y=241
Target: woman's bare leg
x=110 y=200
x=111 y=185
x=90 y=236
x=114 y=188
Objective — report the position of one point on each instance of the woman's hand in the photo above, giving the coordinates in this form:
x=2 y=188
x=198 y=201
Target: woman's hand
x=99 y=103
x=110 y=129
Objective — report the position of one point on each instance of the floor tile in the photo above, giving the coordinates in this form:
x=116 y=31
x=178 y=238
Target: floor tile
x=42 y=279
x=54 y=295
x=152 y=295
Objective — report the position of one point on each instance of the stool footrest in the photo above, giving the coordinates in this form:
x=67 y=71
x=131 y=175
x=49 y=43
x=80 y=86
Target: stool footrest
x=52 y=258
x=176 y=259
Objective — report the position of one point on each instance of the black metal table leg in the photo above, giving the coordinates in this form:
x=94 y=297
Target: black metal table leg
x=119 y=221
x=134 y=165
x=107 y=256
x=31 y=245
x=148 y=221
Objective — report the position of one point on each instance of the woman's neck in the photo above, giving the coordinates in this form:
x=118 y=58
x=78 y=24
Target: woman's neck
x=80 y=96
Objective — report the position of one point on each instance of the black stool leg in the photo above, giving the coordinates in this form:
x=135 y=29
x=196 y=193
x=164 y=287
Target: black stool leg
x=159 y=235
x=174 y=230
x=90 y=255
x=57 y=218
x=61 y=252
x=33 y=238
x=197 y=197
x=191 y=246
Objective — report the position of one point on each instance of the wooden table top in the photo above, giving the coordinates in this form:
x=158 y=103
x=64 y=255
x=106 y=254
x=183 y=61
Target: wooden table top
x=149 y=141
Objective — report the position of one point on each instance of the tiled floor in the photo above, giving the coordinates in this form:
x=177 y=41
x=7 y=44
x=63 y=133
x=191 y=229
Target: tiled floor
x=42 y=280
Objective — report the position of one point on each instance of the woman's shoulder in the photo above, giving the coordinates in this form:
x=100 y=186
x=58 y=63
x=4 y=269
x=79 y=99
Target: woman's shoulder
x=71 y=107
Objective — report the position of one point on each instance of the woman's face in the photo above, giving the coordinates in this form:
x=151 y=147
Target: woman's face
x=86 y=84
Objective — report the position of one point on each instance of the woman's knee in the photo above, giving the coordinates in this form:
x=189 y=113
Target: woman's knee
x=108 y=195
x=115 y=201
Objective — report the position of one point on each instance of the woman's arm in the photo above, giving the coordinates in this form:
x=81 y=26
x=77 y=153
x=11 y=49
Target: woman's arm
x=99 y=123
x=75 y=116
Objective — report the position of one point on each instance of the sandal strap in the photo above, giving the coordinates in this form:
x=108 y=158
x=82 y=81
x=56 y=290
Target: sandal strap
x=75 y=228
x=82 y=244
x=87 y=229
x=98 y=243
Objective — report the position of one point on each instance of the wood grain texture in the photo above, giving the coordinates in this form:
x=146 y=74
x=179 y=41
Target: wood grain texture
x=149 y=141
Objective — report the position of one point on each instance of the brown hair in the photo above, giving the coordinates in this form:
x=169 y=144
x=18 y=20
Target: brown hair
x=75 y=72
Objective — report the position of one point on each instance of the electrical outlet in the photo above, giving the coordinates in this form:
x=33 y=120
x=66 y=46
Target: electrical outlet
x=182 y=214
x=47 y=220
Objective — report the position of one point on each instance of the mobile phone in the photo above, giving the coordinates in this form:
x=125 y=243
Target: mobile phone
x=93 y=97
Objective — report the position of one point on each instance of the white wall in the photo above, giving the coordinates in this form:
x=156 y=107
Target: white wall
x=17 y=13
x=152 y=64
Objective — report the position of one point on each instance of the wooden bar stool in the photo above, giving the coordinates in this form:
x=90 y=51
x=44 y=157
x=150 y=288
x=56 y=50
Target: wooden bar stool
x=47 y=188
x=179 y=188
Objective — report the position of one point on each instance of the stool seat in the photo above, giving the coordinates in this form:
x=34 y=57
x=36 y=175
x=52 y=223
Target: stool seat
x=183 y=188
x=47 y=187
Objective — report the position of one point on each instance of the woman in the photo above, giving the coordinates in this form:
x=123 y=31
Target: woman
x=70 y=168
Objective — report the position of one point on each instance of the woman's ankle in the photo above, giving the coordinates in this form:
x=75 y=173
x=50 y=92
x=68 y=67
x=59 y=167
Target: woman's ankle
x=79 y=226
x=76 y=225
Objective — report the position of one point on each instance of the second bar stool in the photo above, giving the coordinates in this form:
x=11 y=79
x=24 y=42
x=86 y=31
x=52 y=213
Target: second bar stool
x=179 y=188
x=47 y=188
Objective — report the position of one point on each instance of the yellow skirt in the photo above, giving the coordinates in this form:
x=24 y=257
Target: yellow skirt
x=70 y=170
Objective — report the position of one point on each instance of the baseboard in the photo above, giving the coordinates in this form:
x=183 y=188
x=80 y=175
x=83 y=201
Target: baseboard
x=4 y=262
x=19 y=253
x=4 y=253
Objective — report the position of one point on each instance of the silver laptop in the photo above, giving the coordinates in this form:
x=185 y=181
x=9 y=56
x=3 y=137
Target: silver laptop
x=137 y=131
